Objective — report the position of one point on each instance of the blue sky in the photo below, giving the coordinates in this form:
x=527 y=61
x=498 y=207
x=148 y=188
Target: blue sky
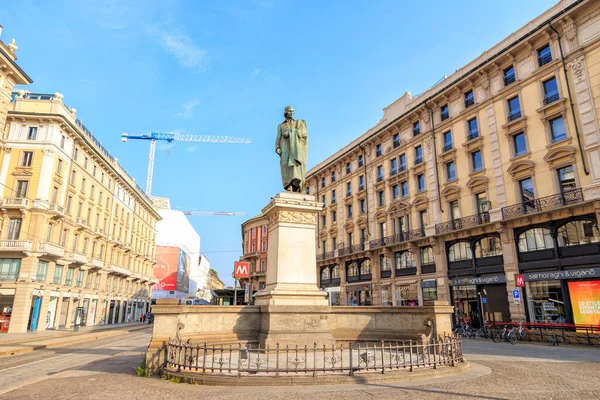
x=230 y=67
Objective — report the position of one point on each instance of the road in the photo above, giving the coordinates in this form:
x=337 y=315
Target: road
x=104 y=369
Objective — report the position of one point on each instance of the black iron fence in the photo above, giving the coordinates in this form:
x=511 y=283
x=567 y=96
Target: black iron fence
x=255 y=360
x=547 y=203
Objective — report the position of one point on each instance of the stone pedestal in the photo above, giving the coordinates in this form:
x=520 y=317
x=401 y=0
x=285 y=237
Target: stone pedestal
x=295 y=325
x=291 y=258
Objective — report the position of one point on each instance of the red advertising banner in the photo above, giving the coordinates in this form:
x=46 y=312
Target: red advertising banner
x=165 y=270
x=585 y=300
x=241 y=269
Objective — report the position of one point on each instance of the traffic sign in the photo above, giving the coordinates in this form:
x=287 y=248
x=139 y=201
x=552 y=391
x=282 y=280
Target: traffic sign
x=484 y=300
x=517 y=296
x=241 y=269
x=520 y=280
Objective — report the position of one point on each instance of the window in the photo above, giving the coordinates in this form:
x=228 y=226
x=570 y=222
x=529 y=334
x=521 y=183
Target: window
x=83 y=185
x=362 y=204
x=325 y=274
x=427 y=255
x=73 y=177
x=14 y=228
x=557 y=129
x=85 y=163
x=444 y=114
x=416 y=128
x=418 y=155
x=69 y=277
x=421 y=183
x=430 y=292
x=360 y=161
x=381 y=198
x=526 y=189
x=92 y=191
x=477 y=161
x=27 y=159
x=379 y=173
x=447 y=141
x=509 y=75
x=535 y=239
x=42 y=270
x=404 y=186
x=102 y=177
x=32 y=135
x=322 y=182
x=49 y=233
x=396 y=142
x=348 y=189
x=333 y=243
x=472 y=129
x=519 y=143
x=514 y=108
x=79 y=209
x=423 y=219
x=460 y=251
x=9 y=269
x=21 y=191
x=59 y=166
x=352 y=269
x=74 y=244
x=69 y=201
x=469 y=99
x=402 y=162
x=79 y=281
x=361 y=182
x=94 y=171
x=482 y=203
x=395 y=192
x=322 y=199
x=550 y=91
x=566 y=179
x=348 y=168
x=404 y=259
x=450 y=171
x=378 y=150
x=384 y=264
x=323 y=221
x=350 y=242
x=58 y=272
x=54 y=195
x=349 y=210
x=578 y=232
x=333 y=196
x=488 y=247
x=393 y=166
x=333 y=216
x=63 y=238
x=544 y=55
x=454 y=210
x=75 y=154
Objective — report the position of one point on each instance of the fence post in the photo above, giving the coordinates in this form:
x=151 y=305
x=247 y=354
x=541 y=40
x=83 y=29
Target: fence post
x=351 y=369
x=382 y=358
x=277 y=362
x=204 y=359
x=434 y=354
x=239 y=374
x=314 y=359
x=410 y=354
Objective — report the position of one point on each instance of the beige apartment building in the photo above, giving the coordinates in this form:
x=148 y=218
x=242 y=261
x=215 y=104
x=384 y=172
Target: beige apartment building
x=255 y=243
x=488 y=180
x=77 y=236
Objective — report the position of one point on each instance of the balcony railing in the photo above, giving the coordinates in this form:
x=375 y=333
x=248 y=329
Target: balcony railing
x=15 y=202
x=474 y=134
x=551 y=98
x=547 y=203
x=379 y=178
x=119 y=270
x=357 y=248
x=447 y=146
x=463 y=223
x=97 y=263
x=418 y=160
x=415 y=234
x=402 y=168
x=56 y=208
x=15 y=245
x=515 y=114
x=388 y=240
x=416 y=131
x=508 y=79
x=545 y=59
x=469 y=101
x=77 y=257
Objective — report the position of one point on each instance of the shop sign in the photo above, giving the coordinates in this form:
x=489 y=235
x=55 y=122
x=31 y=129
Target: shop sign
x=478 y=280
x=557 y=275
x=429 y=283
x=549 y=306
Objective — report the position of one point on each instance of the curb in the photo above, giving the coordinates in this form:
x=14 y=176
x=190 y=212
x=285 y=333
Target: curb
x=77 y=338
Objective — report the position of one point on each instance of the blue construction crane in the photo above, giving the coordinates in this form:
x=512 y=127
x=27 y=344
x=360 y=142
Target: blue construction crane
x=180 y=137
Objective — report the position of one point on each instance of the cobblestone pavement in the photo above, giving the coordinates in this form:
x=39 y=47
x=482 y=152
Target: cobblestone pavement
x=500 y=371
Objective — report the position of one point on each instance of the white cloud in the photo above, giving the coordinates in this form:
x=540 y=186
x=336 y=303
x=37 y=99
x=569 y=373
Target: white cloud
x=191 y=149
x=188 y=109
x=185 y=50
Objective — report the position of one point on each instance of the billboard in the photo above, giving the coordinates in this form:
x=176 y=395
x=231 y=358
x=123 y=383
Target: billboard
x=585 y=300
x=183 y=272
x=166 y=268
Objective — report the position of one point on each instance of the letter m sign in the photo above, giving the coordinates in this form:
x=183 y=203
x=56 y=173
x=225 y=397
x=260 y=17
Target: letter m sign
x=241 y=269
x=520 y=280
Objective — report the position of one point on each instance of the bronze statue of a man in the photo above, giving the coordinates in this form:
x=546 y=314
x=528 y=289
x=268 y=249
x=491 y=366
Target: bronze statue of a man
x=292 y=147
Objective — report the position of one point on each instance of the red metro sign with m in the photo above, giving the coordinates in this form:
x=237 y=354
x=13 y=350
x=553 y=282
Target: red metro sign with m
x=520 y=280
x=241 y=269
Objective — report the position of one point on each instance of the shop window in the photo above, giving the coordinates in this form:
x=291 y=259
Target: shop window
x=360 y=297
x=460 y=251
x=427 y=255
x=535 y=239
x=407 y=295
x=488 y=247
x=384 y=263
x=365 y=268
x=404 y=259
x=352 y=269
x=546 y=301
x=578 y=232
x=386 y=295
x=430 y=293
x=325 y=274
x=335 y=272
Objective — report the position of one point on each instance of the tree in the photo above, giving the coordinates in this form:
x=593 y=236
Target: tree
x=214 y=272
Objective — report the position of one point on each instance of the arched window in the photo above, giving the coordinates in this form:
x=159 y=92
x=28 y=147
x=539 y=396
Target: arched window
x=578 y=232
x=535 y=239
x=325 y=274
x=427 y=255
x=335 y=272
x=460 y=251
x=365 y=267
x=488 y=247
x=404 y=259
x=353 y=269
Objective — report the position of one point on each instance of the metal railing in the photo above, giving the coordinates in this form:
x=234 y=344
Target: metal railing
x=545 y=59
x=508 y=79
x=255 y=361
x=473 y=134
x=469 y=101
x=547 y=203
x=551 y=98
x=388 y=240
x=351 y=249
x=415 y=234
x=379 y=178
x=463 y=223
x=416 y=131
x=393 y=172
x=418 y=160
x=515 y=114
x=447 y=146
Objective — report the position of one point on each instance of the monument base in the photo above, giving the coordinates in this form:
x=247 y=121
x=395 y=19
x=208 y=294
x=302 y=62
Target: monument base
x=295 y=325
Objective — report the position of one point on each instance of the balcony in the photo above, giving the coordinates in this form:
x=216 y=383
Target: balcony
x=415 y=234
x=56 y=208
x=15 y=203
x=447 y=147
x=474 y=134
x=325 y=256
x=551 y=98
x=418 y=161
x=463 y=223
x=97 y=263
x=81 y=222
x=115 y=269
x=352 y=249
x=513 y=115
x=259 y=273
x=393 y=172
x=388 y=240
x=99 y=231
x=51 y=249
x=547 y=203
x=251 y=255
x=15 y=245
x=76 y=257
x=379 y=178
x=136 y=275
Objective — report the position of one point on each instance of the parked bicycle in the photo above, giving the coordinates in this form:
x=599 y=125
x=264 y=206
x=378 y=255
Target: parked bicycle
x=510 y=335
x=522 y=332
x=485 y=332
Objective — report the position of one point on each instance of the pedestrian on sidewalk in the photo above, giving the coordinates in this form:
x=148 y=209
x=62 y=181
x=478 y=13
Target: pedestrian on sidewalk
x=142 y=317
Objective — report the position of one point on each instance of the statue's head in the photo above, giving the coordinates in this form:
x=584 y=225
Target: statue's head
x=288 y=112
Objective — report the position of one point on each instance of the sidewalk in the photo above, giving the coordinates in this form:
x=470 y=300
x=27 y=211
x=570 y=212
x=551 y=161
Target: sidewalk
x=18 y=343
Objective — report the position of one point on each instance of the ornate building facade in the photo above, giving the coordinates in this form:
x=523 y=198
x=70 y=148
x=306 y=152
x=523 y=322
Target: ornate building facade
x=255 y=245
x=488 y=180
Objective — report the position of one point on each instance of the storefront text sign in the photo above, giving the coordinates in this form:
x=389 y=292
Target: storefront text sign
x=556 y=275
x=478 y=280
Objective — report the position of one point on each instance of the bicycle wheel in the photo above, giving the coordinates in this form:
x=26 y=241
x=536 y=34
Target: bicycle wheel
x=512 y=337
x=479 y=335
x=524 y=335
x=497 y=336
